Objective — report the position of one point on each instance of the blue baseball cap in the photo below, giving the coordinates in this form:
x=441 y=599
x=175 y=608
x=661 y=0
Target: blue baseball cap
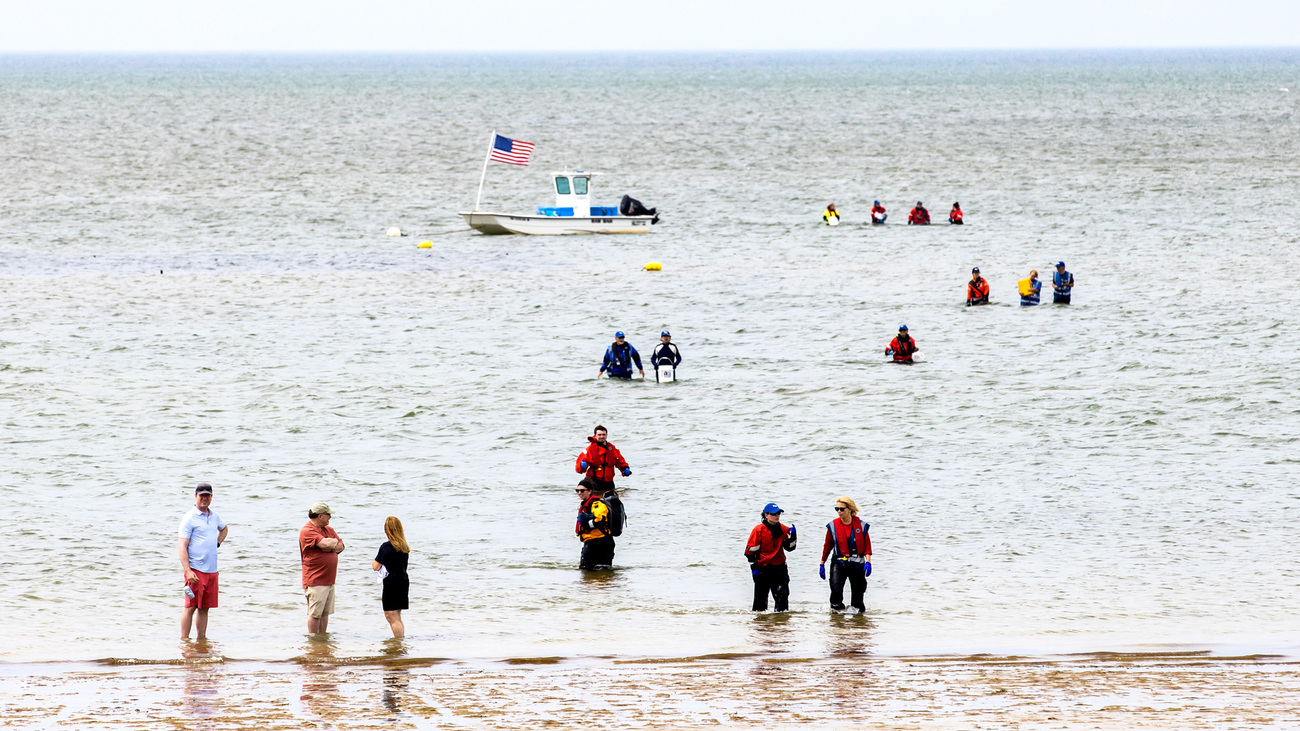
x=619 y=334
x=1060 y=263
x=665 y=334
x=772 y=509
x=877 y=202
x=902 y=327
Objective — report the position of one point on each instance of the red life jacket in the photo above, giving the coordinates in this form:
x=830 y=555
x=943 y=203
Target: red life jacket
x=838 y=535
x=955 y=215
x=918 y=215
x=602 y=462
x=901 y=352
x=770 y=550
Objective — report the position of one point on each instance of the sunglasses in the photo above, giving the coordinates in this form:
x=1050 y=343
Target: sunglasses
x=840 y=510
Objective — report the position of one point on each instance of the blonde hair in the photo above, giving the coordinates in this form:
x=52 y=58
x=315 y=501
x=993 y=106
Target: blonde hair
x=393 y=529
x=848 y=503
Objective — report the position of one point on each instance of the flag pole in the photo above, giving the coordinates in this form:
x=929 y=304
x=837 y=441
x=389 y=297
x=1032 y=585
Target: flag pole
x=482 y=177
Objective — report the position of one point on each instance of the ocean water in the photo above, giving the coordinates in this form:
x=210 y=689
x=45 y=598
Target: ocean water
x=196 y=286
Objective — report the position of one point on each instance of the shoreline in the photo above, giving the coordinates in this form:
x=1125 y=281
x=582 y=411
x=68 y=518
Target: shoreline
x=1100 y=690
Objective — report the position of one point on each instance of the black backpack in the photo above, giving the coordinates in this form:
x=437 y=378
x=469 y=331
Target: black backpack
x=617 y=515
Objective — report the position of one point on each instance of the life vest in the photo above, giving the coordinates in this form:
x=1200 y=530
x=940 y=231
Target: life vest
x=877 y=213
x=599 y=526
x=918 y=215
x=847 y=542
x=1029 y=292
x=954 y=216
x=828 y=214
x=1059 y=282
x=903 y=352
x=977 y=291
x=619 y=357
x=602 y=461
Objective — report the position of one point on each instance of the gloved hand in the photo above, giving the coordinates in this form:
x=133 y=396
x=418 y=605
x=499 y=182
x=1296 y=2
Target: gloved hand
x=584 y=464
x=586 y=517
x=866 y=568
x=754 y=572
x=889 y=351
x=627 y=471
x=821 y=570
x=792 y=535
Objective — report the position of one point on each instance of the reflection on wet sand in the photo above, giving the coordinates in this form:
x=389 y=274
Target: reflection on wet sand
x=200 y=690
x=320 y=685
x=396 y=677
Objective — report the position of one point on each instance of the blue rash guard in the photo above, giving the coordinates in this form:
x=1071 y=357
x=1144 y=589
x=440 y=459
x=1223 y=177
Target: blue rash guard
x=1062 y=285
x=619 y=360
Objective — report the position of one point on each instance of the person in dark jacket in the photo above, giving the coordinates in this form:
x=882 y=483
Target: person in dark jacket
x=665 y=353
x=619 y=357
x=765 y=552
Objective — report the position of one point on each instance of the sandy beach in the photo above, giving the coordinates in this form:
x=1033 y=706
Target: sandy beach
x=1191 y=690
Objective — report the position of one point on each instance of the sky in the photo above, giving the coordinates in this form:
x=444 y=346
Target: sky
x=34 y=26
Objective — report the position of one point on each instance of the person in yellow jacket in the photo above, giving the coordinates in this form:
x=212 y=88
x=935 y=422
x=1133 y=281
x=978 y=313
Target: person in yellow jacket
x=593 y=529
x=831 y=216
x=1029 y=288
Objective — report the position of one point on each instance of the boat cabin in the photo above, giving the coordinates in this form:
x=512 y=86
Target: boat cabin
x=573 y=197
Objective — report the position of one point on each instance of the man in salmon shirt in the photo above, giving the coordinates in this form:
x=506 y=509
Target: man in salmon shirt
x=599 y=461
x=765 y=552
x=320 y=547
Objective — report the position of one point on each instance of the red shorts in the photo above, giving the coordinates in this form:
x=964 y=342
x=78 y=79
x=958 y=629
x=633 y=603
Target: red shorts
x=205 y=591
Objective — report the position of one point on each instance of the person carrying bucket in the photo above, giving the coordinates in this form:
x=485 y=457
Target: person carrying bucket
x=849 y=548
x=830 y=216
x=665 y=358
x=619 y=357
x=878 y=215
x=1030 y=289
x=902 y=347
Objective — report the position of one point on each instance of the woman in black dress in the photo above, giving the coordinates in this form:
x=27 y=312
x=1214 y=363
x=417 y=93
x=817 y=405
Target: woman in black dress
x=393 y=556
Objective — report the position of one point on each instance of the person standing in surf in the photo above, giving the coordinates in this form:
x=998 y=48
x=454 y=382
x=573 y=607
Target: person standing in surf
x=765 y=551
x=977 y=289
x=392 y=558
x=201 y=533
x=830 y=213
x=849 y=548
x=1062 y=285
x=1030 y=289
x=878 y=214
x=902 y=347
x=593 y=528
x=619 y=357
x=918 y=216
x=599 y=461
x=954 y=216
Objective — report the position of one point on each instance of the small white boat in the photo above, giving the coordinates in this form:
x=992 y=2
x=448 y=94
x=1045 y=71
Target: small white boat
x=572 y=213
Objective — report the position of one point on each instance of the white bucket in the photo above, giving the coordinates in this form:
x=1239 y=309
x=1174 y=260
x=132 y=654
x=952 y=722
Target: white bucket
x=666 y=373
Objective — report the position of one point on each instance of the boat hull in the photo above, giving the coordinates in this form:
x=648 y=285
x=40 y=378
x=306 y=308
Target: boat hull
x=504 y=223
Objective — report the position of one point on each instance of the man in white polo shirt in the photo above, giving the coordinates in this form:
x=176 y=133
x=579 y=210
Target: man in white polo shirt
x=202 y=531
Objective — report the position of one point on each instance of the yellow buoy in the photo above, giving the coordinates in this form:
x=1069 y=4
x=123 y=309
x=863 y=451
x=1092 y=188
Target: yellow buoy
x=425 y=245
x=653 y=266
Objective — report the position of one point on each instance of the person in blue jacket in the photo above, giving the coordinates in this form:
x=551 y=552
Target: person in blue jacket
x=1062 y=284
x=619 y=357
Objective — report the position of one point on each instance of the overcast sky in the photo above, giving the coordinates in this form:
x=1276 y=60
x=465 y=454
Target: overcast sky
x=504 y=25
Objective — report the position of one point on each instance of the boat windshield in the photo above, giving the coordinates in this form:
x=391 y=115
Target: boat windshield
x=580 y=186
x=562 y=185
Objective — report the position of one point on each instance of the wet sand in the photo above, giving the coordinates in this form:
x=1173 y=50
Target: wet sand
x=1188 y=690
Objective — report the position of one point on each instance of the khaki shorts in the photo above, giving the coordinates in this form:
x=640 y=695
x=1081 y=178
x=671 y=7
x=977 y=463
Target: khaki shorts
x=320 y=600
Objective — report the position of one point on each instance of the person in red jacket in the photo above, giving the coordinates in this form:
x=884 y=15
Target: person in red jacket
x=954 y=216
x=878 y=214
x=918 y=216
x=977 y=289
x=902 y=347
x=765 y=552
x=849 y=548
x=600 y=460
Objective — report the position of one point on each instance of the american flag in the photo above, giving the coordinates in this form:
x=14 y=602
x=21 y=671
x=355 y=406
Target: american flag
x=511 y=152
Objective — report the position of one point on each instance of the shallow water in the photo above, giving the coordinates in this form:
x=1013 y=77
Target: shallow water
x=196 y=286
